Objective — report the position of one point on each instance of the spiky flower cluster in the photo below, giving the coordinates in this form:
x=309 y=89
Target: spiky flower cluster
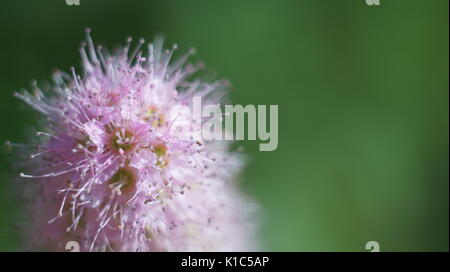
x=113 y=177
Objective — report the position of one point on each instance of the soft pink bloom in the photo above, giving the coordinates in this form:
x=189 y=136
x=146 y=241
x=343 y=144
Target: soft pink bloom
x=111 y=176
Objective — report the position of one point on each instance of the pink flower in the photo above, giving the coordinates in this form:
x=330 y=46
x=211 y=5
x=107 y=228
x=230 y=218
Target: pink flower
x=113 y=178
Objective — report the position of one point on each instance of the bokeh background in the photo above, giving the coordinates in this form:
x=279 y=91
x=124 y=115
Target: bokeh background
x=362 y=91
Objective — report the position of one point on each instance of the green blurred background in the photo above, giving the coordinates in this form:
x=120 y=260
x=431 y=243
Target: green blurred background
x=362 y=94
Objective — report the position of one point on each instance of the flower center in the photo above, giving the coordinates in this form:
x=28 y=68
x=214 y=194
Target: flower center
x=123 y=181
x=154 y=117
x=160 y=150
x=86 y=143
x=122 y=141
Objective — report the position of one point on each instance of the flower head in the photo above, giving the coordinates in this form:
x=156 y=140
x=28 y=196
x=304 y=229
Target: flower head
x=113 y=178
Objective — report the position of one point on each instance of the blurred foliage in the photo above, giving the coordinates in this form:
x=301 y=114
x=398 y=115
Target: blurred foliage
x=362 y=93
